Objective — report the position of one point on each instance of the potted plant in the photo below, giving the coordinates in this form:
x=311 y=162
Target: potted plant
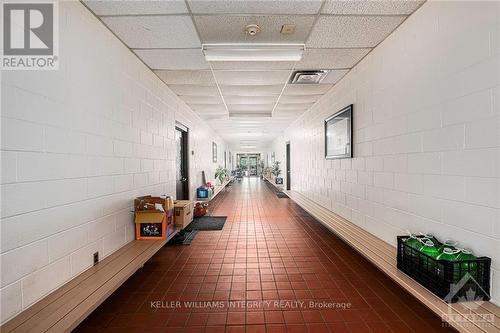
x=220 y=174
x=276 y=171
x=261 y=168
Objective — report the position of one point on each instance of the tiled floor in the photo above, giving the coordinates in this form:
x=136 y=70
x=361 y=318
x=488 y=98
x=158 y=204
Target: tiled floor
x=272 y=268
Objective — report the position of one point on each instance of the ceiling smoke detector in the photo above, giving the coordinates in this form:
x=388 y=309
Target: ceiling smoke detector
x=252 y=29
x=308 y=77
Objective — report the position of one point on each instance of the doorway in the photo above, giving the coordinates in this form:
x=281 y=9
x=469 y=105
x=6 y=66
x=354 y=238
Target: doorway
x=248 y=164
x=182 y=173
x=288 y=162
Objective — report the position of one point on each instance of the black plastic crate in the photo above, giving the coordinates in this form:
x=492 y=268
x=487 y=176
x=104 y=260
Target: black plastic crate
x=469 y=279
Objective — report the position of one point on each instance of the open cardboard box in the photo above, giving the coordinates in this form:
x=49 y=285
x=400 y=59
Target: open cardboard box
x=148 y=200
x=151 y=222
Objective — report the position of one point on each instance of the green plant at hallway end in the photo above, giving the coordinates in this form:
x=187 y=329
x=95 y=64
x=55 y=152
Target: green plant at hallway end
x=276 y=170
x=220 y=173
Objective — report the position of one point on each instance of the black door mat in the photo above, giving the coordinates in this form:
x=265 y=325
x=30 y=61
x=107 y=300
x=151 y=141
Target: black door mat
x=207 y=223
x=190 y=235
x=281 y=195
x=183 y=237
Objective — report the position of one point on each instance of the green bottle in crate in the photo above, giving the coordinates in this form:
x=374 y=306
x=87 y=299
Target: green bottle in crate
x=432 y=238
x=449 y=244
x=467 y=267
x=413 y=242
x=449 y=254
x=430 y=249
x=413 y=246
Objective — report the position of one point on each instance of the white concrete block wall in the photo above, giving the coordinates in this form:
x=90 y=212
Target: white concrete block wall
x=426 y=133
x=77 y=145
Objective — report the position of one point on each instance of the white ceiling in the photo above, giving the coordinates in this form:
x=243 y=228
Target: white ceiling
x=250 y=103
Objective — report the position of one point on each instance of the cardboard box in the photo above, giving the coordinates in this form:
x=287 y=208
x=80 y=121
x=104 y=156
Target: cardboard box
x=170 y=223
x=149 y=201
x=183 y=213
x=151 y=220
x=150 y=225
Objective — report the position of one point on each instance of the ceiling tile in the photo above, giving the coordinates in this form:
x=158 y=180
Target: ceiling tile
x=187 y=77
x=299 y=99
x=334 y=76
x=254 y=65
x=230 y=29
x=246 y=107
x=291 y=107
x=250 y=100
x=194 y=90
x=251 y=77
x=202 y=99
x=352 y=31
x=392 y=7
x=289 y=114
x=306 y=89
x=252 y=90
x=213 y=117
x=137 y=7
x=154 y=31
x=284 y=117
x=331 y=58
x=249 y=114
x=173 y=58
x=208 y=108
x=255 y=7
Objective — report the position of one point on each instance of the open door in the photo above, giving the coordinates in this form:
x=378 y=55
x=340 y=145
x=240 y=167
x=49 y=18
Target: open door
x=288 y=174
x=182 y=170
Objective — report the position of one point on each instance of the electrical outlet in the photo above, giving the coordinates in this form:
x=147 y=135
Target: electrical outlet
x=96 y=258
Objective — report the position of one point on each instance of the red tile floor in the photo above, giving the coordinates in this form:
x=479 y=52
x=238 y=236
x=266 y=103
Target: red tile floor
x=273 y=268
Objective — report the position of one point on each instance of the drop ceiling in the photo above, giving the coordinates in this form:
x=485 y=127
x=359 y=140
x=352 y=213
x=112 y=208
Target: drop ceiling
x=250 y=103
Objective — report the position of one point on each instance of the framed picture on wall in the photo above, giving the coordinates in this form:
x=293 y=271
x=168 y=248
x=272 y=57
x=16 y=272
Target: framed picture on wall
x=214 y=152
x=338 y=134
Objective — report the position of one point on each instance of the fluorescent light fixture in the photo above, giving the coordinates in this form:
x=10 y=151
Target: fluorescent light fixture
x=248 y=147
x=253 y=52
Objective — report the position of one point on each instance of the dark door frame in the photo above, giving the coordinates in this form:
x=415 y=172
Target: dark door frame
x=185 y=160
x=288 y=167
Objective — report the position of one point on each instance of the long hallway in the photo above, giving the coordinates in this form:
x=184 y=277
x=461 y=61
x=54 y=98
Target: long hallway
x=273 y=268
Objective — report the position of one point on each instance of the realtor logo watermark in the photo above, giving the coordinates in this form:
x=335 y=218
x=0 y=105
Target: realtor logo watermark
x=30 y=36
x=477 y=316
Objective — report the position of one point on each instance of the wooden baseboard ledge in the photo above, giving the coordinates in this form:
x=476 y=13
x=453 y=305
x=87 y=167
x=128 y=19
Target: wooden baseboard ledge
x=272 y=182
x=66 y=307
x=473 y=317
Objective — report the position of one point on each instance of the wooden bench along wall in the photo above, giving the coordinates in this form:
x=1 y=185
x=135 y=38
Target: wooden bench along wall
x=69 y=305
x=218 y=189
x=383 y=256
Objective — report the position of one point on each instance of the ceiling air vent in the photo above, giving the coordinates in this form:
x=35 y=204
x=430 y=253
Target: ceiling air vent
x=307 y=77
